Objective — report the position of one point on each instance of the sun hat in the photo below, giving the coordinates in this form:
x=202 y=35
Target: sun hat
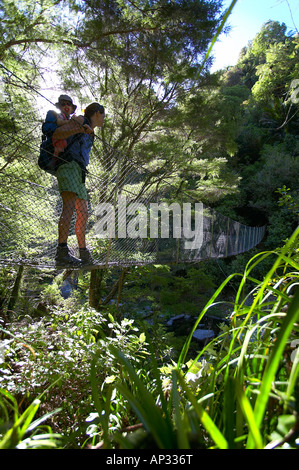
x=65 y=98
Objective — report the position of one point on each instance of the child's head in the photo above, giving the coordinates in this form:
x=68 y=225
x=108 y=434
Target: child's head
x=66 y=105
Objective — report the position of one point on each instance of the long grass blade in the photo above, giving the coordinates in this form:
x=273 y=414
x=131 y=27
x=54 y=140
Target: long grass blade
x=183 y=442
x=16 y=433
x=273 y=363
x=229 y=412
x=293 y=377
x=42 y=419
x=186 y=345
x=203 y=416
x=146 y=409
x=281 y=256
x=249 y=417
x=218 y=32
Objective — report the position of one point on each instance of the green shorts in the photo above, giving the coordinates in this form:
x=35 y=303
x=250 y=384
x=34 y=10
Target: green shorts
x=69 y=177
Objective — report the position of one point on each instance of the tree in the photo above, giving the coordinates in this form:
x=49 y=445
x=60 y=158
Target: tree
x=267 y=138
x=140 y=57
x=160 y=37
x=272 y=32
x=26 y=25
x=278 y=71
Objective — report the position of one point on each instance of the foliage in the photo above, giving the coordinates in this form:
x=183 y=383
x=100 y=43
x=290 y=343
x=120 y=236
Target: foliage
x=13 y=435
x=254 y=54
x=170 y=291
x=287 y=200
x=165 y=38
x=247 y=394
x=238 y=391
x=26 y=25
x=267 y=137
x=56 y=352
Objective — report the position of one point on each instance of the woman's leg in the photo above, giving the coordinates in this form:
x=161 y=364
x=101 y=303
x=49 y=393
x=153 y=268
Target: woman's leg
x=80 y=229
x=82 y=217
x=68 y=207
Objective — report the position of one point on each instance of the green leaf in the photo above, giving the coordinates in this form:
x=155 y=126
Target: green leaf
x=16 y=433
x=142 y=338
x=250 y=418
x=110 y=379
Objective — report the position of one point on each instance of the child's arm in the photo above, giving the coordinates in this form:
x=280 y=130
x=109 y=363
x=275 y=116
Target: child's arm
x=74 y=126
x=77 y=118
x=62 y=122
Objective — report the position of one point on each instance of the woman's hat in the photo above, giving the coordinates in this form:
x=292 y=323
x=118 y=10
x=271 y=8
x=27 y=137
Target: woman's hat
x=65 y=98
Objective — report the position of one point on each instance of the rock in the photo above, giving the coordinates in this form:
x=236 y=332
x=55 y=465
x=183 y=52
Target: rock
x=178 y=317
x=68 y=285
x=201 y=335
x=66 y=289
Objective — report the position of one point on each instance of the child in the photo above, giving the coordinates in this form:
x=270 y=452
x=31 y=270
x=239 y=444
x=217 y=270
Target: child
x=66 y=106
x=54 y=120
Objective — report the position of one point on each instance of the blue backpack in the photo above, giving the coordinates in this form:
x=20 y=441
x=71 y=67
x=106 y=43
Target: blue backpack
x=47 y=161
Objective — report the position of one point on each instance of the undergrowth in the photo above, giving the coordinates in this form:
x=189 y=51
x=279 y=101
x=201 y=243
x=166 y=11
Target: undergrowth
x=87 y=379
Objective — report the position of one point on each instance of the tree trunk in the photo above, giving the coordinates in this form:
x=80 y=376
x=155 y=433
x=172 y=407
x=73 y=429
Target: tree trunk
x=15 y=290
x=95 y=291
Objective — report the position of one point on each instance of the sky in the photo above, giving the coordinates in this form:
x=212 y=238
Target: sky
x=246 y=20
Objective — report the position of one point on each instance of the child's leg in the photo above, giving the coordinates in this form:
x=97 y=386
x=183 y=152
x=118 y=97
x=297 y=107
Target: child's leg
x=59 y=146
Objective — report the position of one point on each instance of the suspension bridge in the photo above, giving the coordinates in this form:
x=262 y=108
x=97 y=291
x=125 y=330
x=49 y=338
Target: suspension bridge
x=134 y=218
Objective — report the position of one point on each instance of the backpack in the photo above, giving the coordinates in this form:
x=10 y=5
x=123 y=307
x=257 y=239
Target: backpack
x=47 y=161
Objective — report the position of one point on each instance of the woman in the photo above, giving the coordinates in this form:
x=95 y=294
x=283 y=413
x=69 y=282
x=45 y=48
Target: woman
x=71 y=182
